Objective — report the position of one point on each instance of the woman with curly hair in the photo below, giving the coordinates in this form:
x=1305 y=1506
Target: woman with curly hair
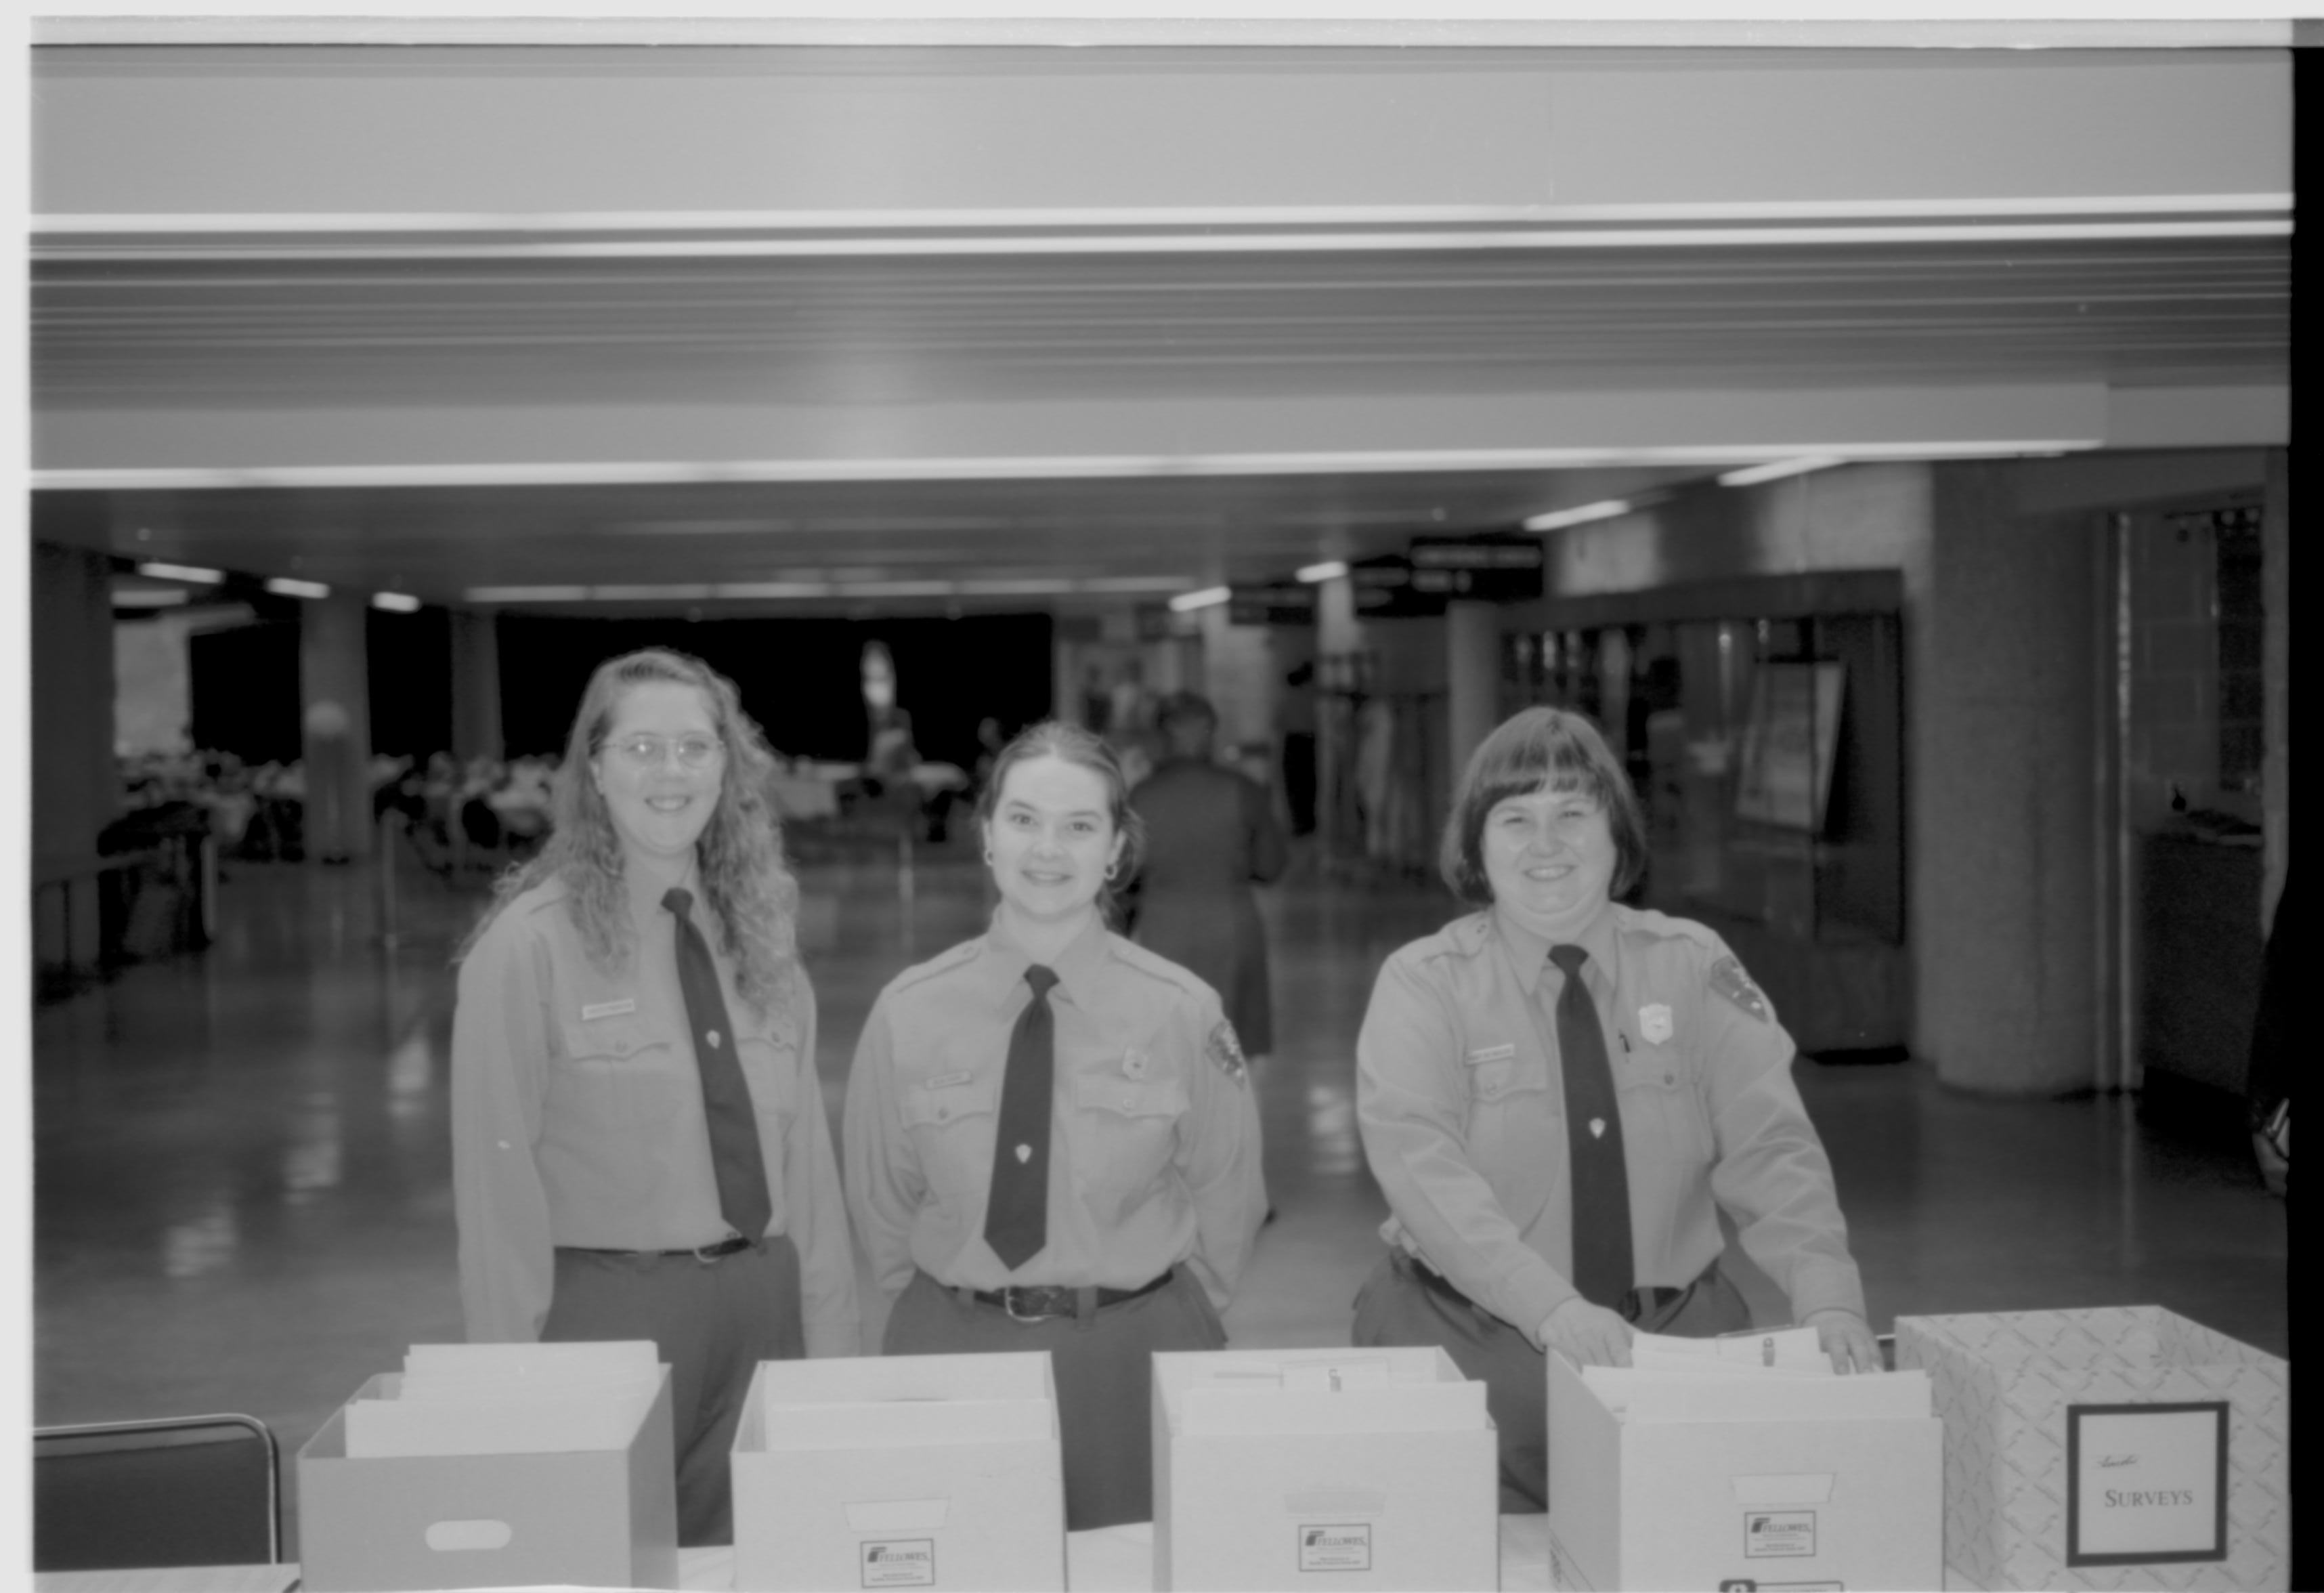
x=639 y=1143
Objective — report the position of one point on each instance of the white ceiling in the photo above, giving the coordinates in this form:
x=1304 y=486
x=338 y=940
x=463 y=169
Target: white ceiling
x=586 y=340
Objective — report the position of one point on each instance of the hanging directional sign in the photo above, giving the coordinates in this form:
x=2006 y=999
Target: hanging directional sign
x=1272 y=603
x=1384 y=588
x=1481 y=569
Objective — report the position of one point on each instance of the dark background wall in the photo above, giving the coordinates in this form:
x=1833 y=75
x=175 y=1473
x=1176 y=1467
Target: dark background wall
x=800 y=679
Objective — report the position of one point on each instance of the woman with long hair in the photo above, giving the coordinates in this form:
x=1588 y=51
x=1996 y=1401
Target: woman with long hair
x=639 y=1149
x=1051 y=1140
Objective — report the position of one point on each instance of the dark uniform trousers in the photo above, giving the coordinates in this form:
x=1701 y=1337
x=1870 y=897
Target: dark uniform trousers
x=1398 y=1306
x=1105 y=1368
x=714 y=1323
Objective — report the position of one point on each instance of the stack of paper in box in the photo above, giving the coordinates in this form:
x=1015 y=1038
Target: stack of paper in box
x=1742 y=1461
x=495 y=1465
x=1301 y=1468
x=901 y=1471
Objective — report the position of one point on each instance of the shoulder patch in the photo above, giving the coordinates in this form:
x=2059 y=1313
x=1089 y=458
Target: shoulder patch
x=1226 y=1050
x=1728 y=977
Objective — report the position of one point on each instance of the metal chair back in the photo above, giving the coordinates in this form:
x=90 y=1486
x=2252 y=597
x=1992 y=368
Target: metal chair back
x=183 y=1490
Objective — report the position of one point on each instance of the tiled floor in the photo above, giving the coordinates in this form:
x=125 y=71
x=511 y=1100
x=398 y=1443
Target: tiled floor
x=242 y=1195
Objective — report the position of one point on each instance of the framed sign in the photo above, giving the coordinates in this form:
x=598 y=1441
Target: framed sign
x=2146 y=1484
x=1789 y=743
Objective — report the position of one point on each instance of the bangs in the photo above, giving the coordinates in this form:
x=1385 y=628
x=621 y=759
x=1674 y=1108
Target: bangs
x=1547 y=759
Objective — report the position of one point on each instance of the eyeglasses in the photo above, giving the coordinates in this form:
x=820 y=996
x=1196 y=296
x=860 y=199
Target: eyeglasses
x=694 y=751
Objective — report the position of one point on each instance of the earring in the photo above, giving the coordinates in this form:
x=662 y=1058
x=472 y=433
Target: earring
x=1111 y=870
x=987 y=857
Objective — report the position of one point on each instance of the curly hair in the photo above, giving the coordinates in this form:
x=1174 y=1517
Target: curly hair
x=1056 y=739
x=746 y=884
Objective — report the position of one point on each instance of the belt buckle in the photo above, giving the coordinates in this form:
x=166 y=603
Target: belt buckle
x=1014 y=1291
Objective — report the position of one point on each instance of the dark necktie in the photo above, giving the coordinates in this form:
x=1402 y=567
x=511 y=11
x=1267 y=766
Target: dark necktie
x=734 y=1158
x=1017 y=1211
x=1594 y=1137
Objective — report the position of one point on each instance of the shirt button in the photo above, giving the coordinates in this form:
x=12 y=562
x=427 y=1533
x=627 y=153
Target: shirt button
x=621 y=1047
x=1670 y=1079
x=943 y=1114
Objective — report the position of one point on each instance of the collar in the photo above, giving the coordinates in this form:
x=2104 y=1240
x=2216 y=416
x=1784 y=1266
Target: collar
x=645 y=898
x=1529 y=953
x=1001 y=968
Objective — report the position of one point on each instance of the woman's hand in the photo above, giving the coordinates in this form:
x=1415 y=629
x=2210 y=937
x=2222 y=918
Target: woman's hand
x=1846 y=1338
x=1587 y=1335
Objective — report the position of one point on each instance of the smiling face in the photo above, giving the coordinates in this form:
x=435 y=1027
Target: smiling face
x=659 y=769
x=1051 y=839
x=1549 y=857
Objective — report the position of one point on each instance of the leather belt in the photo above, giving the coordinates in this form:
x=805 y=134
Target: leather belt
x=704 y=1254
x=1636 y=1303
x=1038 y=1302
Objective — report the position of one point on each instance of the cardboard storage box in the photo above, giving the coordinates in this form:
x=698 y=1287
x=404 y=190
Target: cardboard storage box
x=592 y=1517
x=1305 y=1469
x=2125 y=1447
x=1828 y=1482
x=901 y=1471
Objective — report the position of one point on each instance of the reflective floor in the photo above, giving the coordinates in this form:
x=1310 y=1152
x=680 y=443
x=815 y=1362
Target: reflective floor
x=241 y=1194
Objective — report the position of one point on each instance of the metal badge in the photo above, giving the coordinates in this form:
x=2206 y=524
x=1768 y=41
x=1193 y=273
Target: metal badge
x=1654 y=1022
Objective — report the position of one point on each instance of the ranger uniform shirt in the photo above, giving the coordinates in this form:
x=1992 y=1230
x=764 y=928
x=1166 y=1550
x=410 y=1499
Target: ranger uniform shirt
x=1154 y=1135
x=1461 y=1104
x=577 y=1118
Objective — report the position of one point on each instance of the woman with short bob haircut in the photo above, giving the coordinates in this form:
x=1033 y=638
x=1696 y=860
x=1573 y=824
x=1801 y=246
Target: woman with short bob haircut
x=1558 y=1094
x=1051 y=1141
x=639 y=1149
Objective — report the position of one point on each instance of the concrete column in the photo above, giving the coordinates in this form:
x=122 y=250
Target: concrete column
x=76 y=788
x=1473 y=677
x=335 y=698
x=475 y=685
x=2005 y=641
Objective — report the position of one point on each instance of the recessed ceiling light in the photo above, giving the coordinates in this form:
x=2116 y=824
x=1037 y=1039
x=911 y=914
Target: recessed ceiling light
x=1331 y=570
x=1558 y=519
x=1208 y=597
x=284 y=586
x=1776 y=470
x=396 y=602
x=192 y=572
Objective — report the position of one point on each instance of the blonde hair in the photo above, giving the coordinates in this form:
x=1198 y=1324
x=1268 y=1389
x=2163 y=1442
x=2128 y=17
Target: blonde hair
x=746 y=885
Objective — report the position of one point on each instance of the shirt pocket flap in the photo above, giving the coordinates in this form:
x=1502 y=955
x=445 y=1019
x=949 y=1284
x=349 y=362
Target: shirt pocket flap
x=615 y=1039
x=1159 y=1098
x=1653 y=1067
x=923 y=1106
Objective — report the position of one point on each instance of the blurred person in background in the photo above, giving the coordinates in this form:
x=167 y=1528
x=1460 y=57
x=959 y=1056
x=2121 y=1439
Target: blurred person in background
x=1211 y=834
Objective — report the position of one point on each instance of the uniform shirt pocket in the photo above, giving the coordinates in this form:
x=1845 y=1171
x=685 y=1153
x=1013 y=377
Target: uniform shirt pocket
x=618 y=1072
x=768 y=1053
x=1657 y=1085
x=1125 y=1131
x=939 y=1106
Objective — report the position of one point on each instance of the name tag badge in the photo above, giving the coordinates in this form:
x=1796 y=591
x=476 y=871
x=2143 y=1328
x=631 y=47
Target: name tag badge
x=609 y=1009
x=1655 y=1022
x=946 y=1080
x=1491 y=1053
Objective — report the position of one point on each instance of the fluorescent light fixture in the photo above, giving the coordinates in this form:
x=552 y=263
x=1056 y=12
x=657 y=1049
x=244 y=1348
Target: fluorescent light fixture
x=1029 y=586
x=1330 y=570
x=526 y=594
x=1558 y=519
x=282 y=586
x=763 y=590
x=396 y=602
x=1208 y=597
x=149 y=597
x=1776 y=470
x=192 y=572
x=1134 y=584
